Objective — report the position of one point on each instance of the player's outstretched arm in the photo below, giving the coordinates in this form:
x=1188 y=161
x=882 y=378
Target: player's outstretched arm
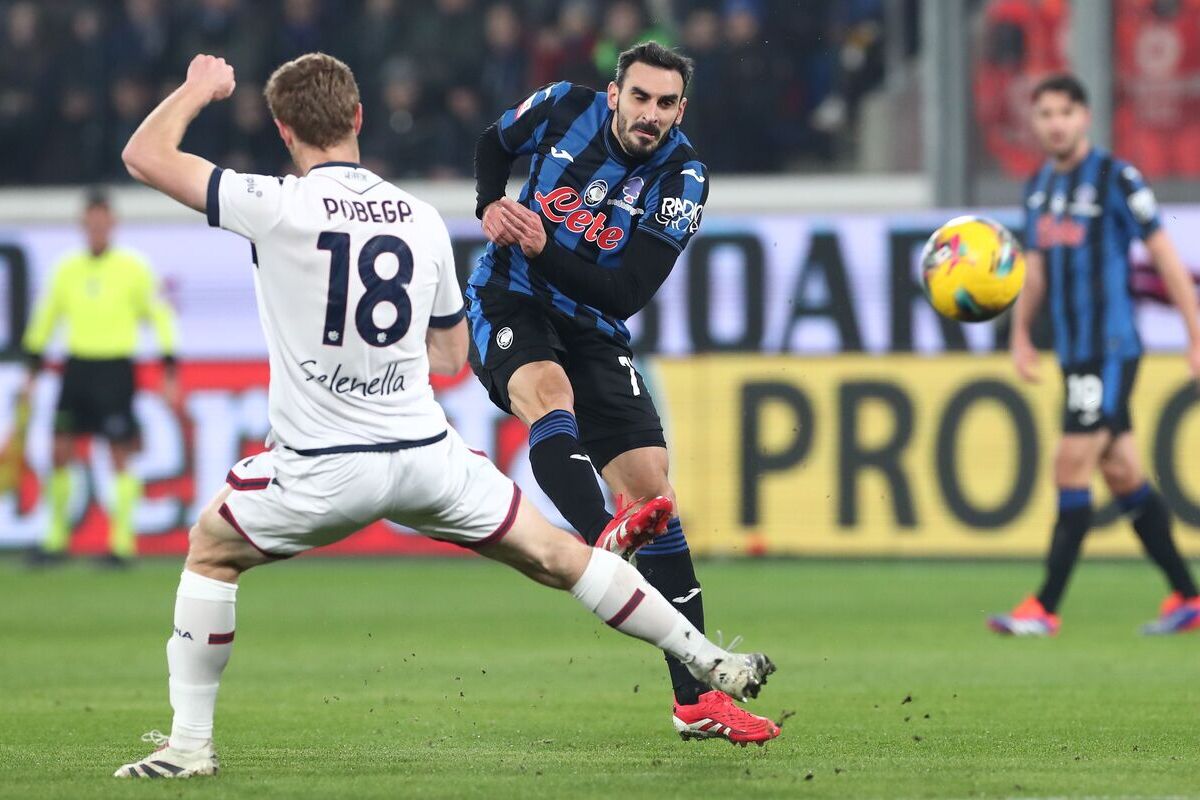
x=1180 y=289
x=152 y=155
x=1024 y=354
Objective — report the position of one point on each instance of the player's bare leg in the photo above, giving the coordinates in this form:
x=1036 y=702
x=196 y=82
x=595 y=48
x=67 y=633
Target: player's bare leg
x=666 y=563
x=1075 y=464
x=1151 y=520
x=541 y=396
x=613 y=590
x=199 y=647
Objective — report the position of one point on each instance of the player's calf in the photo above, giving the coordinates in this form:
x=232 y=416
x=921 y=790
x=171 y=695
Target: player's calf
x=617 y=593
x=199 y=647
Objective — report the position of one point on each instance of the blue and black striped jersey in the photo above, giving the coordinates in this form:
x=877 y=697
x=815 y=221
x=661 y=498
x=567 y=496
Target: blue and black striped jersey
x=1083 y=222
x=592 y=195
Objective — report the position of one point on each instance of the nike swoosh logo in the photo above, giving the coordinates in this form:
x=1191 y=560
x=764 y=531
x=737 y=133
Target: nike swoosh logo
x=579 y=457
x=554 y=151
x=686 y=597
x=694 y=174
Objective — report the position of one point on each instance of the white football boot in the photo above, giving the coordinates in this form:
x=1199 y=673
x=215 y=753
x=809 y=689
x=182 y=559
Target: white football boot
x=171 y=762
x=739 y=675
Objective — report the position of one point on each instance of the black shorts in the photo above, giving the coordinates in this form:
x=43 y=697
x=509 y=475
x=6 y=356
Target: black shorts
x=97 y=398
x=612 y=406
x=1096 y=395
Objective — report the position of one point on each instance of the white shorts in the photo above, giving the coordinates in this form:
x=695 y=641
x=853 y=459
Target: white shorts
x=284 y=503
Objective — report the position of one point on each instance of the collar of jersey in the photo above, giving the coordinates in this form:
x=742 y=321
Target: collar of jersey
x=324 y=164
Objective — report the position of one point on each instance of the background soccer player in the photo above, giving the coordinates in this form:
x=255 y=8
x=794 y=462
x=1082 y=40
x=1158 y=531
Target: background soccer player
x=615 y=192
x=1083 y=208
x=102 y=294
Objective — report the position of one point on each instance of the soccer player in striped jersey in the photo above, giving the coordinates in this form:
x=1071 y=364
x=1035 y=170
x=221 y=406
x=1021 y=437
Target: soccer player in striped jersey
x=1083 y=208
x=614 y=194
x=356 y=432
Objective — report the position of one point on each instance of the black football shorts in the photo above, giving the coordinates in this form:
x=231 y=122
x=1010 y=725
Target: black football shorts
x=1096 y=395
x=612 y=406
x=97 y=399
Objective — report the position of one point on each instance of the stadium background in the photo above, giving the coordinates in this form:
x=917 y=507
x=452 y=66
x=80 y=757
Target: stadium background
x=815 y=405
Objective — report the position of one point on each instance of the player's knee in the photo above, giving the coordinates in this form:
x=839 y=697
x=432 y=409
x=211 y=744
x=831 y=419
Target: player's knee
x=563 y=562
x=1120 y=476
x=654 y=485
x=542 y=400
x=537 y=389
x=1071 y=467
x=211 y=554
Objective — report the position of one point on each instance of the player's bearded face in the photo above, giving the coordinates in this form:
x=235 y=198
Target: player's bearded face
x=1059 y=123
x=639 y=135
x=646 y=106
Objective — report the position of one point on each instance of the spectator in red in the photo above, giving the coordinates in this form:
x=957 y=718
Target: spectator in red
x=1022 y=42
x=1157 y=119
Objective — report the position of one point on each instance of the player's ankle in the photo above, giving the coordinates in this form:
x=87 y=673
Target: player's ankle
x=187 y=743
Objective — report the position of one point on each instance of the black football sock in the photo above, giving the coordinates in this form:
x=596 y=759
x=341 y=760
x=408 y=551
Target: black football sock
x=1152 y=520
x=666 y=564
x=1074 y=519
x=564 y=471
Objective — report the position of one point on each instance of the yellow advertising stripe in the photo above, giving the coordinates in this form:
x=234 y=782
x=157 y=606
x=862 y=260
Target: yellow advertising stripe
x=901 y=455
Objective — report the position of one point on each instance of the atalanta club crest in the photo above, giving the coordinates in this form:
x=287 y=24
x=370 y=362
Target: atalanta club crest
x=596 y=191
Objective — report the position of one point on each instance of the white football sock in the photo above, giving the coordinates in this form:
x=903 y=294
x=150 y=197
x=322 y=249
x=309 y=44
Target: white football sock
x=618 y=594
x=197 y=653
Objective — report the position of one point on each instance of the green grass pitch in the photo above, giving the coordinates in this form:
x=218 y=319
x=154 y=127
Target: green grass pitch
x=365 y=679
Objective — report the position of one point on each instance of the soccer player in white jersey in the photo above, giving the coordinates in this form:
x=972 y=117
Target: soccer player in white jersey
x=359 y=302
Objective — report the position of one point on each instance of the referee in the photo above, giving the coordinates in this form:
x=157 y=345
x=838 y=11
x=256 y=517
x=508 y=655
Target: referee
x=102 y=294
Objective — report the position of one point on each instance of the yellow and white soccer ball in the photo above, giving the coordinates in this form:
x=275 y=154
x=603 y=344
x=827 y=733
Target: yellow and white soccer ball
x=972 y=269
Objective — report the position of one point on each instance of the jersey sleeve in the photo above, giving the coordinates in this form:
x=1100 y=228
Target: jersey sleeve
x=521 y=126
x=250 y=205
x=448 y=306
x=155 y=309
x=46 y=315
x=1136 y=205
x=674 y=204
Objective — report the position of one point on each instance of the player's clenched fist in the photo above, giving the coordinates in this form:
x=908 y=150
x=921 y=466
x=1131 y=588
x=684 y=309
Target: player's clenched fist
x=213 y=75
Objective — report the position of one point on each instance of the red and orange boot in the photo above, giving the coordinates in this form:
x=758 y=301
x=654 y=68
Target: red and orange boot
x=714 y=715
x=1027 y=619
x=635 y=525
x=1176 y=615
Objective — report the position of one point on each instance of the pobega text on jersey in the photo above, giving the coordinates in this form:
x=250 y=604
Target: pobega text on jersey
x=350 y=272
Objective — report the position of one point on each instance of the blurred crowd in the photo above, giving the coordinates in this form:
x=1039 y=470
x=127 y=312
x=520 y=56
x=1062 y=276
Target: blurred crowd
x=777 y=82
x=1156 y=68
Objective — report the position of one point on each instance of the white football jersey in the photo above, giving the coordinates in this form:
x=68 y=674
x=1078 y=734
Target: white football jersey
x=350 y=271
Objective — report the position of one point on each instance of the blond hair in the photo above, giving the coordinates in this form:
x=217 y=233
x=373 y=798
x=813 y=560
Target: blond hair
x=316 y=96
